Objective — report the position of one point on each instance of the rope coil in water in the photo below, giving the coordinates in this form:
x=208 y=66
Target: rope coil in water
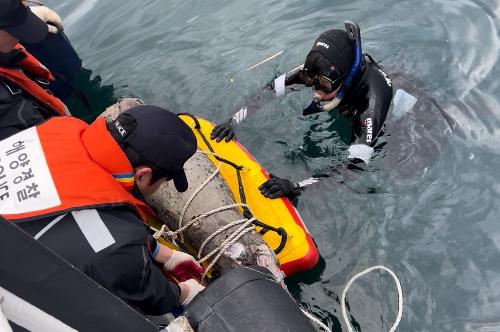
x=398 y=286
x=344 y=294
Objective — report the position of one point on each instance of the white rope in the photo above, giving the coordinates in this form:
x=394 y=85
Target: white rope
x=344 y=293
x=236 y=235
x=246 y=225
x=191 y=198
x=207 y=214
x=398 y=286
x=224 y=248
x=217 y=232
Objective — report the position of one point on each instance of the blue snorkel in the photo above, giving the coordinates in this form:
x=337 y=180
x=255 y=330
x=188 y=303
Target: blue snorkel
x=319 y=106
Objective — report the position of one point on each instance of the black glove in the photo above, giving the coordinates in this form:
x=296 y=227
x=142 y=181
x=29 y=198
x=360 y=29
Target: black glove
x=222 y=130
x=313 y=108
x=276 y=187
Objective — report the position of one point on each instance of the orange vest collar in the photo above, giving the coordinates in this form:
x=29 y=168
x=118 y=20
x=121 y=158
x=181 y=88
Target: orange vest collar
x=106 y=152
x=34 y=67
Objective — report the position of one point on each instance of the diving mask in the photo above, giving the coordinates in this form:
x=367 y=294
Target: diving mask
x=320 y=106
x=325 y=83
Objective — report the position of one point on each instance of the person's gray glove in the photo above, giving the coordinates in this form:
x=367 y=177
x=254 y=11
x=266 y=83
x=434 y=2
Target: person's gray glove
x=50 y=17
x=224 y=130
x=276 y=188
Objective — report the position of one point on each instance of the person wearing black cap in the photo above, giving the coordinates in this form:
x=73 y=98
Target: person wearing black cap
x=345 y=80
x=24 y=99
x=81 y=194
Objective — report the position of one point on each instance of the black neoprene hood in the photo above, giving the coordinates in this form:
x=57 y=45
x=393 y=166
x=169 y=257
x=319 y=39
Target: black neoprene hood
x=336 y=48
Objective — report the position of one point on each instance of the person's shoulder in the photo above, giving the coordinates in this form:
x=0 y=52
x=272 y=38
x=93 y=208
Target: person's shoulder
x=120 y=213
x=124 y=222
x=376 y=74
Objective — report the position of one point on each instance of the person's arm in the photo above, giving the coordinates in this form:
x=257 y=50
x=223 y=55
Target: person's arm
x=129 y=273
x=277 y=187
x=128 y=270
x=47 y=15
x=287 y=82
x=177 y=264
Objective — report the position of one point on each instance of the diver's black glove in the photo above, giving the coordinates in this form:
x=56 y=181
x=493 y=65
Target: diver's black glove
x=224 y=130
x=276 y=188
x=313 y=108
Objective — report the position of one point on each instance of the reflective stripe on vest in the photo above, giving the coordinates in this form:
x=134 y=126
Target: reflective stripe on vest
x=93 y=228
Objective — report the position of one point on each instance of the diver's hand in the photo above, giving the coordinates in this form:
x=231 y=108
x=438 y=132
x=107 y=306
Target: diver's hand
x=223 y=130
x=182 y=267
x=50 y=17
x=189 y=289
x=276 y=188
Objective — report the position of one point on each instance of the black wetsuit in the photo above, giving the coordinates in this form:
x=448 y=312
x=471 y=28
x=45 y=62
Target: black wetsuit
x=365 y=104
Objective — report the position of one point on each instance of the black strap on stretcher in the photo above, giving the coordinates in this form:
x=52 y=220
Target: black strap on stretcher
x=241 y=189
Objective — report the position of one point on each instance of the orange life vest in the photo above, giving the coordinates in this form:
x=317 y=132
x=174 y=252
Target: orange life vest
x=18 y=77
x=64 y=165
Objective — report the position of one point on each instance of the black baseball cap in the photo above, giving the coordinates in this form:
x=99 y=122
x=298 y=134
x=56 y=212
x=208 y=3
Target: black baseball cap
x=20 y=22
x=159 y=137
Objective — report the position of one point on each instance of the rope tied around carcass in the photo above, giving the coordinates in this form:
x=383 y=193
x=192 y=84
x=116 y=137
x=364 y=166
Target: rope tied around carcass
x=245 y=225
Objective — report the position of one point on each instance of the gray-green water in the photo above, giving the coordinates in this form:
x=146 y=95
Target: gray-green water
x=428 y=206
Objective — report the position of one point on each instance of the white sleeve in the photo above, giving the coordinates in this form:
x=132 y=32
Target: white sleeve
x=360 y=151
x=279 y=85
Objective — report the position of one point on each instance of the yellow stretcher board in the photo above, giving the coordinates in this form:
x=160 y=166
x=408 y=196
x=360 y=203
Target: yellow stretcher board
x=294 y=247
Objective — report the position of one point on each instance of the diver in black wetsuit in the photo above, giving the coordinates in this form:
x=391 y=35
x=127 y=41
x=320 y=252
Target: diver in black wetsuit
x=345 y=80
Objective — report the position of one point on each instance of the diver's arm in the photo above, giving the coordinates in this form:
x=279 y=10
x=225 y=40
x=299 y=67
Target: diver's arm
x=276 y=187
x=287 y=82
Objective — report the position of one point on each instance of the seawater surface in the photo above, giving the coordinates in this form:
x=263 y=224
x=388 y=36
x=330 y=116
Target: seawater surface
x=428 y=204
